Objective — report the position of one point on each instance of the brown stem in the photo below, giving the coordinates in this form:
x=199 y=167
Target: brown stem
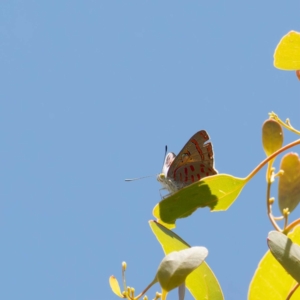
x=264 y=162
x=286 y=124
x=286 y=218
x=291 y=226
x=292 y=291
x=146 y=289
x=269 y=204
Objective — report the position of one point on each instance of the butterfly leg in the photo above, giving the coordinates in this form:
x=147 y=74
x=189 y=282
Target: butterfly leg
x=164 y=196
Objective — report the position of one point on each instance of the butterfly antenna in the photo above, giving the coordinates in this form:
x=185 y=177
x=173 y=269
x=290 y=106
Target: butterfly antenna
x=133 y=179
x=166 y=150
x=138 y=178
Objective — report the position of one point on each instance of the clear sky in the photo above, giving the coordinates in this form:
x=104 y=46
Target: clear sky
x=91 y=92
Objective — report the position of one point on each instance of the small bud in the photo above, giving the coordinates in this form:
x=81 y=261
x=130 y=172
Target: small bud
x=145 y=298
x=157 y=295
x=280 y=173
x=271 y=200
x=132 y=290
x=286 y=212
x=272 y=177
x=124 y=266
x=128 y=290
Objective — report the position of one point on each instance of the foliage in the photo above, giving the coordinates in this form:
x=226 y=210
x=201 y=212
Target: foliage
x=277 y=275
x=287 y=53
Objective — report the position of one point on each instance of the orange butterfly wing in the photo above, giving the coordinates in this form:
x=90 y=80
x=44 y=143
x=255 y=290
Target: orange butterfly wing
x=194 y=162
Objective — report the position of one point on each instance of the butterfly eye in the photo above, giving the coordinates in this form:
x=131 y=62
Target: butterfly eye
x=185 y=155
x=161 y=177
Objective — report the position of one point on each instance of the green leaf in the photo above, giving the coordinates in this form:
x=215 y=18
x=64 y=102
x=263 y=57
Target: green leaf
x=201 y=283
x=272 y=136
x=271 y=281
x=289 y=182
x=286 y=252
x=217 y=192
x=176 y=266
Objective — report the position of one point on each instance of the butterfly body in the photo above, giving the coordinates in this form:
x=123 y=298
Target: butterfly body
x=194 y=162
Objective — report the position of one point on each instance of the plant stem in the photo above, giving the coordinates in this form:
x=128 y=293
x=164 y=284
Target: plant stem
x=292 y=291
x=146 y=289
x=264 y=162
x=285 y=124
x=269 y=205
x=291 y=226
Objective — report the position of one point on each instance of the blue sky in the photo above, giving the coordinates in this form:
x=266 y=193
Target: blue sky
x=91 y=92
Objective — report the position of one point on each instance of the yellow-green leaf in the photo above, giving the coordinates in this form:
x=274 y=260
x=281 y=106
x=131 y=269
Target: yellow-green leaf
x=217 y=192
x=272 y=136
x=286 y=252
x=271 y=281
x=113 y=282
x=289 y=182
x=202 y=283
x=177 y=265
x=287 y=52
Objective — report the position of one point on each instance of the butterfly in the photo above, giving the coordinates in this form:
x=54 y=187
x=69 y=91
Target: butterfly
x=194 y=162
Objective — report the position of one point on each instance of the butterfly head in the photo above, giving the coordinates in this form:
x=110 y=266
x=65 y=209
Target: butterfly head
x=162 y=177
x=167 y=163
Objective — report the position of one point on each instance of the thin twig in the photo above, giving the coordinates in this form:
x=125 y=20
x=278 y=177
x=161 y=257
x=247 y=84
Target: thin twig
x=286 y=124
x=264 y=162
x=292 y=291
